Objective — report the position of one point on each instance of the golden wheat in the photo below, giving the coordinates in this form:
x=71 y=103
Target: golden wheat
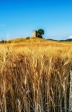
x=34 y=77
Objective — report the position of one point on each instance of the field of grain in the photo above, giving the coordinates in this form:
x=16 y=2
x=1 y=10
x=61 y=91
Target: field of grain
x=34 y=76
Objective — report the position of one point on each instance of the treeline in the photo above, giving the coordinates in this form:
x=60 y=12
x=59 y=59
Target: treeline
x=4 y=41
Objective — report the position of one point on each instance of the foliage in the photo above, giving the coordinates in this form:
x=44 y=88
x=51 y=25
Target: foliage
x=3 y=41
x=28 y=38
x=40 y=32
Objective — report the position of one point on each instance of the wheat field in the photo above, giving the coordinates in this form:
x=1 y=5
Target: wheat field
x=34 y=76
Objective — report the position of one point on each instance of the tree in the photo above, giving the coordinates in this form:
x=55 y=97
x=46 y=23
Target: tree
x=40 y=32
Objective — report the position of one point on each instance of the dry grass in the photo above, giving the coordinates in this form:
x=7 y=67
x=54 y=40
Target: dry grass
x=34 y=76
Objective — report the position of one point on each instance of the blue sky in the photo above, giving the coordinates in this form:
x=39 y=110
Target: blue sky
x=18 y=18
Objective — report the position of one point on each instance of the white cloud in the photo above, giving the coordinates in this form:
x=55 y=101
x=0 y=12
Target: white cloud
x=70 y=36
x=2 y=25
x=8 y=35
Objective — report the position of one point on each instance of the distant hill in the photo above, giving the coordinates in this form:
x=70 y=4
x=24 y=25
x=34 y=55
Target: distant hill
x=31 y=39
x=67 y=40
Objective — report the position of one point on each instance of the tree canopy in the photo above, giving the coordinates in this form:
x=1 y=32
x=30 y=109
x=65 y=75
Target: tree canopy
x=40 y=32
